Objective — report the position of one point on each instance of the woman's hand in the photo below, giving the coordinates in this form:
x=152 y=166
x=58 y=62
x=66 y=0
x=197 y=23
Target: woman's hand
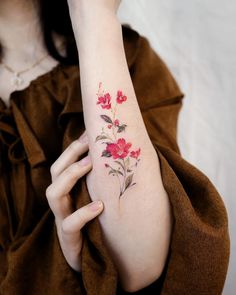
x=65 y=172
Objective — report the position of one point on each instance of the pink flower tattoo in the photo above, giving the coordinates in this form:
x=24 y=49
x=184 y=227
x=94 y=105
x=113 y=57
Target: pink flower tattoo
x=117 y=149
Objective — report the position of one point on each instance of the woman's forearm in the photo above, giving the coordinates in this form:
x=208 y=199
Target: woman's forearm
x=136 y=221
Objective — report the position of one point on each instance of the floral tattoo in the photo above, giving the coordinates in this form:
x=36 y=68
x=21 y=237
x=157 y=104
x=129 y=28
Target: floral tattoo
x=117 y=147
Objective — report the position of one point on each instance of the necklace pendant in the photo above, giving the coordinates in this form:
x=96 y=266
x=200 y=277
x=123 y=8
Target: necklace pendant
x=17 y=80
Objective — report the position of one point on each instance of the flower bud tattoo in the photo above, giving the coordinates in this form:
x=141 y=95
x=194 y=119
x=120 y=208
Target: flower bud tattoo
x=118 y=149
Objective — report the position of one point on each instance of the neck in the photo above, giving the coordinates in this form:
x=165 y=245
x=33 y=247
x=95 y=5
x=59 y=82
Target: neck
x=20 y=31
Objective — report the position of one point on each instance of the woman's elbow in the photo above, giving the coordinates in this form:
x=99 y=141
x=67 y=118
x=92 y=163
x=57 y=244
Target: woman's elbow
x=141 y=280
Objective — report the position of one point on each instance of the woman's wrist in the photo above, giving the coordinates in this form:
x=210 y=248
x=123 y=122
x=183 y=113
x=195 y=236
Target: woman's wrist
x=85 y=16
x=94 y=30
x=89 y=6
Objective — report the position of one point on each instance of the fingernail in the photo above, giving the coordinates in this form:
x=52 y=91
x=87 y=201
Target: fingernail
x=96 y=205
x=85 y=161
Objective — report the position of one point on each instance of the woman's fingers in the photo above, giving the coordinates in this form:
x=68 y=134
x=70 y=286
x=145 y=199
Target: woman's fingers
x=58 y=192
x=69 y=232
x=70 y=155
x=65 y=173
x=72 y=224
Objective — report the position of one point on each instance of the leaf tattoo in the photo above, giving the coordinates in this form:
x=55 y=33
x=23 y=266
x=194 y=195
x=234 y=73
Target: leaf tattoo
x=106 y=118
x=117 y=148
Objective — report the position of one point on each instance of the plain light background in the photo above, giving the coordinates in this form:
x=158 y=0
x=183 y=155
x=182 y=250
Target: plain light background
x=197 y=41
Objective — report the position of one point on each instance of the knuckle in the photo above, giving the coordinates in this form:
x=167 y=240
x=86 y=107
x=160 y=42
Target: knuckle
x=53 y=169
x=66 y=227
x=73 y=147
x=72 y=171
x=50 y=192
x=83 y=216
x=75 y=170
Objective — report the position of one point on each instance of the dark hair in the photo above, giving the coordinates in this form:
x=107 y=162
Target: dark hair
x=55 y=17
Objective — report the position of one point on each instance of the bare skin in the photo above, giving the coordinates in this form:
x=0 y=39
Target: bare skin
x=21 y=39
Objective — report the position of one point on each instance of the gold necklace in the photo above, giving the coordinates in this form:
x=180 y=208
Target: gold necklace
x=17 y=80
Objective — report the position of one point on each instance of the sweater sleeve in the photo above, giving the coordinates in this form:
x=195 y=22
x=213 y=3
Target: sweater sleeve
x=199 y=250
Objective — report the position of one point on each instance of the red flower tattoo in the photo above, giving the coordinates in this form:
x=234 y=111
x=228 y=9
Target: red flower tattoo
x=135 y=154
x=105 y=101
x=116 y=122
x=120 y=97
x=117 y=149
